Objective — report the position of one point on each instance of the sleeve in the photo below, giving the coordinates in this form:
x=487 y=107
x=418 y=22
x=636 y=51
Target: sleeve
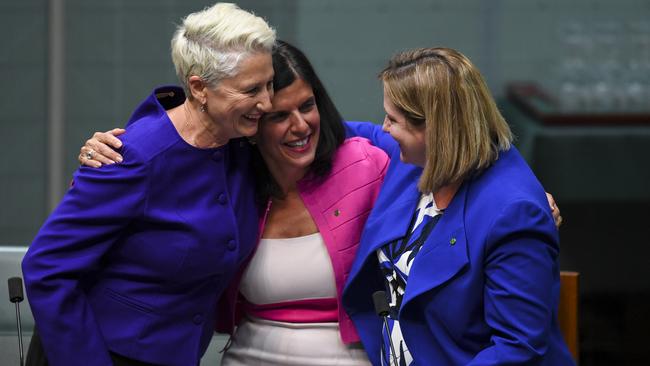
x=69 y=247
x=374 y=133
x=521 y=279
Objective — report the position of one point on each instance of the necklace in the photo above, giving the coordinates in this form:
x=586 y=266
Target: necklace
x=189 y=122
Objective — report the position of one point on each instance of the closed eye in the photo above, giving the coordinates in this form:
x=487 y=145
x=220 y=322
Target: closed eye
x=308 y=105
x=252 y=91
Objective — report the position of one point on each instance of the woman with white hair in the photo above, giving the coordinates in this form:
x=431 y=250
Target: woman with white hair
x=134 y=280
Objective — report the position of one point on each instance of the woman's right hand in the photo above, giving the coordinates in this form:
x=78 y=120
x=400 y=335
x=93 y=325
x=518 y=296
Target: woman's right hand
x=100 y=149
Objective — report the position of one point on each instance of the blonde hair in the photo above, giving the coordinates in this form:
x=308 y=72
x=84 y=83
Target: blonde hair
x=440 y=90
x=212 y=42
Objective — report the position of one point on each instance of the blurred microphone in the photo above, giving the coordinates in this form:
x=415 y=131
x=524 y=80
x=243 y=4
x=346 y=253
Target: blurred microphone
x=382 y=308
x=16 y=296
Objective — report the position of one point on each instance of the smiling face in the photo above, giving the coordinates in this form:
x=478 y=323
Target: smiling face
x=411 y=139
x=238 y=102
x=289 y=133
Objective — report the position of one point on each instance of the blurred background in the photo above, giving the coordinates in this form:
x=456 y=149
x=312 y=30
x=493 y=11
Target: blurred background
x=571 y=77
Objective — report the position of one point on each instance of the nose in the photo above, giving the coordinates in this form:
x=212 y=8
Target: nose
x=264 y=103
x=386 y=125
x=299 y=125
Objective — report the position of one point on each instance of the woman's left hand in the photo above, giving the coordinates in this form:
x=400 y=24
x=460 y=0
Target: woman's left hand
x=555 y=210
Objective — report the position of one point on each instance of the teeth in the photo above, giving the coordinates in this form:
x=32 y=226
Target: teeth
x=255 y=116
x=299 y=143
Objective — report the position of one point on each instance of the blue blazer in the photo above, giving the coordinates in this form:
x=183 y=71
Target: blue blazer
x=134 y=258
x=484 y=288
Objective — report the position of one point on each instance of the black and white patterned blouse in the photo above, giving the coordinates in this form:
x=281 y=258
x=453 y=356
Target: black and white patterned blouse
x=395 y=260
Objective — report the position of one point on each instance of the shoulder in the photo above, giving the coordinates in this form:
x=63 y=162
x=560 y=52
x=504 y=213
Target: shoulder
x=148 y=137
x=359 y=152
x=149 y=130
x=508 y=179
x=510 y=191
x=356 y=164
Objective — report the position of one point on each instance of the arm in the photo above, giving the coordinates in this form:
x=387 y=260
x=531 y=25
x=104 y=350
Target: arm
x=68 y=251
x=521 y=279
x=373 y=133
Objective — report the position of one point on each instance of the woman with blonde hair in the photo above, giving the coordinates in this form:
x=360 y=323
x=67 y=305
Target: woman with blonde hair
x=134 y=279
x=461 y=231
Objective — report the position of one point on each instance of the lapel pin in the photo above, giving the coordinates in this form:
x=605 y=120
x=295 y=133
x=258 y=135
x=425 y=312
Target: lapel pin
x=452 y=241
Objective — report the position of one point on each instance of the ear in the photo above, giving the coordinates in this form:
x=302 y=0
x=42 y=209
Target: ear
x=197 y=88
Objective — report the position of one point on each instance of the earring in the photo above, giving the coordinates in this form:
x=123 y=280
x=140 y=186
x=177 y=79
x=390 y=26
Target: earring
x=203 y=107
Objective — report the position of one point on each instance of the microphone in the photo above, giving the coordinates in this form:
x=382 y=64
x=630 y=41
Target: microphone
x=15 y=285
x=382 y=308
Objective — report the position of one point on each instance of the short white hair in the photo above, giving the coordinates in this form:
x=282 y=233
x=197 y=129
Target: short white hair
x=212 y=42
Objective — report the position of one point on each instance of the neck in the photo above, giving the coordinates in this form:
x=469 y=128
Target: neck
x=197 y=128
x=288 y=183
x=444 y=195
x=287 y=179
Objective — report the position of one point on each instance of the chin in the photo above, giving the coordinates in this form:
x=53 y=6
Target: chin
x=248 y=131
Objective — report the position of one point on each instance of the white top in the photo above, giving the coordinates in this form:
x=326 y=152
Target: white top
x=289 y=269
x=284 y=270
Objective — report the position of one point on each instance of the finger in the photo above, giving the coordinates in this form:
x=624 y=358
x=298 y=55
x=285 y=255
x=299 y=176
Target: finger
x=116 y=131
x=107 y=138
x=551 y=201
x=105 y=144
x=100 y=152
x=83 y=160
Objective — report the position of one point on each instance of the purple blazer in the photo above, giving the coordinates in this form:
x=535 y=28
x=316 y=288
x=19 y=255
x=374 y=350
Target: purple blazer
x=136 y=255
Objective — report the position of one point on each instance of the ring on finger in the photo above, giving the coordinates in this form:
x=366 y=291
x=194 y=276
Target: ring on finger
x=89 y=154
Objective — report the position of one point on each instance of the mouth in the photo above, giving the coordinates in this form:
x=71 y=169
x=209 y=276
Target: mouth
x=253 y=117
x=299 y=145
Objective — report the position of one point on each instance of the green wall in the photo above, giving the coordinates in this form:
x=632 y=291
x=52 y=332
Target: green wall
x=117 y=51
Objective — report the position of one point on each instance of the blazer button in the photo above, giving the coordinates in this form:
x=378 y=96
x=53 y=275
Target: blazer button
x=232 y=245
x=217 y=156
x=222 y=199
x=197 y=319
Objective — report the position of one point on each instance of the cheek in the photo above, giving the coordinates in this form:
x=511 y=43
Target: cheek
x=313 y=118
x=239 y=103
x=270 y=134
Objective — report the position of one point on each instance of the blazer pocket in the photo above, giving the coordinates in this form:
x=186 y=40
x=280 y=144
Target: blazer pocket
x=122 y=319
x=127 y=301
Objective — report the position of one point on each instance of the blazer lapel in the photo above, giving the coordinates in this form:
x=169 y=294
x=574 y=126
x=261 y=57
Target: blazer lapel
x=384 y=226
x=444 y=254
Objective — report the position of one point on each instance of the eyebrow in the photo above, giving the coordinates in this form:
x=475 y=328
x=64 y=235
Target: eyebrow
x=250 y=85
x=276 y=114
x=308 y=100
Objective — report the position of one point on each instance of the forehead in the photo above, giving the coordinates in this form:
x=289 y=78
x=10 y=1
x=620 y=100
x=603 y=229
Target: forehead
x=253 y=69
x=390 y=107
x=292 y=96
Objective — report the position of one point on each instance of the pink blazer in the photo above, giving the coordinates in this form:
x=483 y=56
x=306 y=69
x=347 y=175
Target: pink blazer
x=339 y=204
